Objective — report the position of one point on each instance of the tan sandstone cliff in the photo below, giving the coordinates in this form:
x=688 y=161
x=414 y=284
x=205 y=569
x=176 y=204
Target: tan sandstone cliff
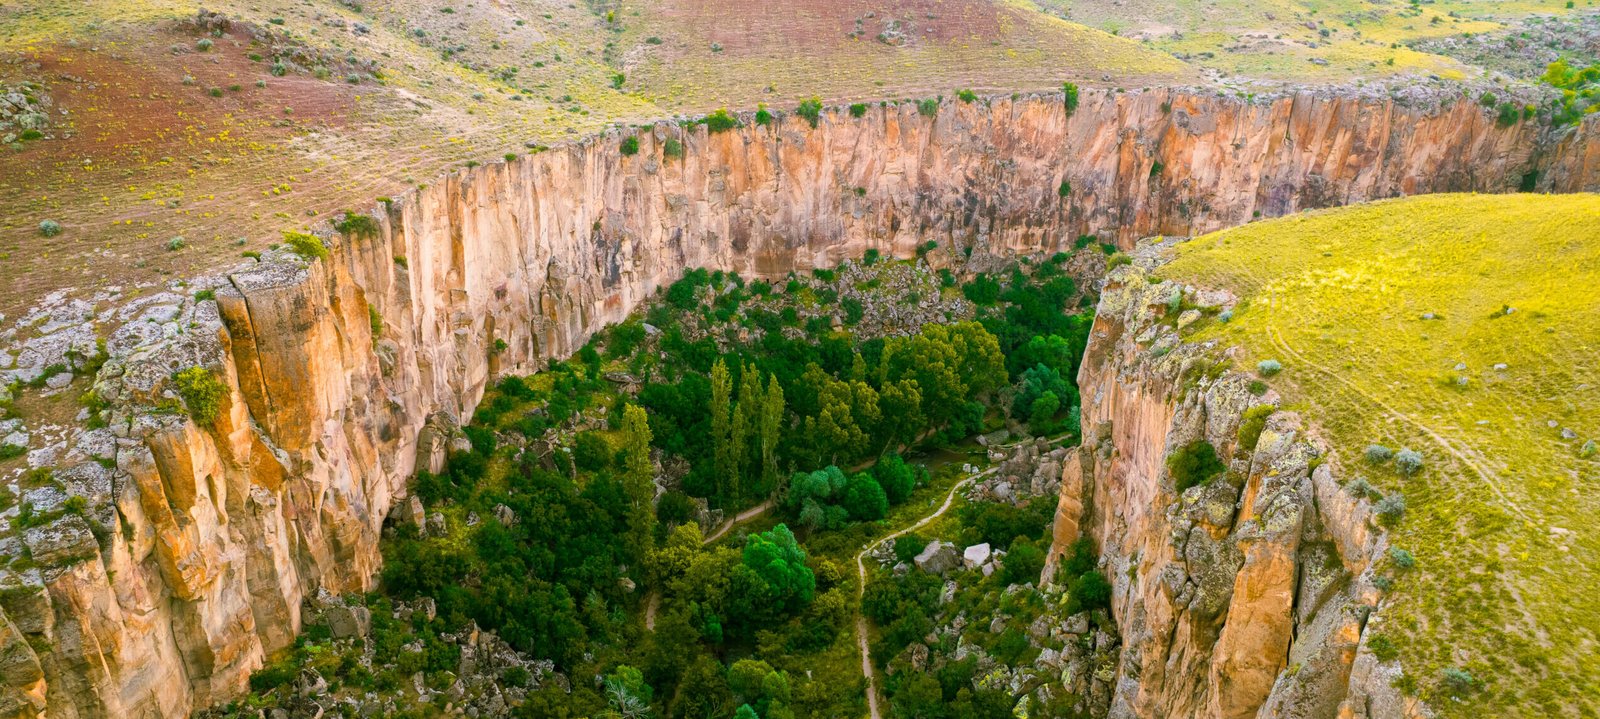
x=1243 y=597
x=198 y=544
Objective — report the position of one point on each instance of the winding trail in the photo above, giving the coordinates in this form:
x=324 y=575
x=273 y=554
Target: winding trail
x=861 y=589
x=654 y=600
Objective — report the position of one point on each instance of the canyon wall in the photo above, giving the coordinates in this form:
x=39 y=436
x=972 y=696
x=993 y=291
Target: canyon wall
x=1246 y=596
x=186 y=561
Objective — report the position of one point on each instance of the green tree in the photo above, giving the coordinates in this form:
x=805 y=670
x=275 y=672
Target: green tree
x=779 y=561
x=723 y=455
x=638 y=478
x=864 y=498
x=770 y=426
x=1023 y=563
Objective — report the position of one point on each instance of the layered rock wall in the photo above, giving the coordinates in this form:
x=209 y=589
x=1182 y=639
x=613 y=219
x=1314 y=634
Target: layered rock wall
x=1246 y=596
x=340 y=374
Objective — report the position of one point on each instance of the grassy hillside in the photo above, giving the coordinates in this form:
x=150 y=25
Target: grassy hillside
x=211 y=137
x=1309 y=40
x=1462 y=327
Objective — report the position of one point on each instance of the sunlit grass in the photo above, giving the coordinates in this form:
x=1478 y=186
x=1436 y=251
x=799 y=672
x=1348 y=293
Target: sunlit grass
x=1466 y=327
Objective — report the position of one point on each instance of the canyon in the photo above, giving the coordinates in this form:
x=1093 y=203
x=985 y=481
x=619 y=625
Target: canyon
x=346 y=374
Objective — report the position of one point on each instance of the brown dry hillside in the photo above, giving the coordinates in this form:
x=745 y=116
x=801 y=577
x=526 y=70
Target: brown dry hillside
x=172 y=142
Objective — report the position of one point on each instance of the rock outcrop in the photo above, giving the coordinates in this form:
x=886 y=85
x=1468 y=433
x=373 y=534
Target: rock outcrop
x=1245 y=596
x=342 y=375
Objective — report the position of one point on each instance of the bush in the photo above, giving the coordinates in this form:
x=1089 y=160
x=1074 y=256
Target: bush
x=1064 y=190
x=308 y=246
x=202 y=392
x=1408 y=461
x=673 y=148
x=1117 y=260
x=858 y=110
x=630 y=146
x=49 y=228
x=721 y=121
x=908 y=546
x=763 y=116
x=591 y=451
x=1023 y=563
x=1069 y=99
x=1255 y=421
x=1402 y=558
x=811 y=110
x=1269 y=367
x=1457 y=681
x=361 y=227
x=204 y=45
x=1089 y=592
x=1194 y=464
x=1378 y=454
x=177 y=243
x=967 y=96
x=928 y=107
x=1383 y=648
x=1390 y=509
x=982 y=290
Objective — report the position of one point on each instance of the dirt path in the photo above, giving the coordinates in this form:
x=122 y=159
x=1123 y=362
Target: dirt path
x=861 y=574
x=1464 y=454
x=652 y=602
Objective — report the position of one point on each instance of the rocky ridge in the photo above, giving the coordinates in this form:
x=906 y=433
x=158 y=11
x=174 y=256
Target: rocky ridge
x=1244 y=596
x=336 y=372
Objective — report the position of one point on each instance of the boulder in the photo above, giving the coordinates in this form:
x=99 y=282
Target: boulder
x=976 y=555
x=937 y=558
x=63 y=541
x=346 y=622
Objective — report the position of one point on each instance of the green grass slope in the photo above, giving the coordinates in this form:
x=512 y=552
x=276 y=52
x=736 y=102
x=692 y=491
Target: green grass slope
x=1467 y=328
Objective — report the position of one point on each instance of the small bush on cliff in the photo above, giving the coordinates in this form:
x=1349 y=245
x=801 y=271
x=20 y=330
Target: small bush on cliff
x=1065 y=190
x=721 y=121
x=967 y=96
x=811 y=110
x=763 y=115
x=1089 y=592
x=1069 y=97
x=1194 y=464
x=630 y=146
x=1390 y=509
x=858 y=110
x=1255 y=420
x=357 y=226
x=672 y=148
x=304 y=245
x=928 y=107
x=202 y=393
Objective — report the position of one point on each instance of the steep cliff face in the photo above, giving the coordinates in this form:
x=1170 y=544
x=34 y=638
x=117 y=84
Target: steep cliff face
x=1246 y=596
x=188 y=561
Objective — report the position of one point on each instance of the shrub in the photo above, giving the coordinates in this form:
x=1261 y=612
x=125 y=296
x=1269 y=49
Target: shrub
x=1089 y=592
x=1378 y=454
x=49 y=228
x=511 y=157
x=355 y=226
x=176 y=243
x=204 y=45
x=205 y=295
x=967 y=96
x=308 y=246
x=763 y=116
x=202 y=393
x=982 y=290
x=1268 y=367
x=591 y=451
x=375 y=321
x=672 y=148
x=1390 y=509
x=1194 y=464
x=858 y=110
x=1457 y=681
x=1408 y=461
x=1255 y=420
x=811 y=110
x=721 y=121
x=214 y=92
x=1117 y=260
x=1023 y=563
x=1402 y=558
x=630 y=146
x=1069 y=97
x=1065 y=189
x=1359 y=487
x=1257 y=387
x=279 y=69
x=617 y=80
x=1382 y=647
x=1156 y=168
x=928 y=107
x=12 y=451
x=908 y=546
x=870 y=257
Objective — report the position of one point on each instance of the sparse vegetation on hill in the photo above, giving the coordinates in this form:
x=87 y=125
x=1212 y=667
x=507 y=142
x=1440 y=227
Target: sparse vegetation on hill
x=1367 y=307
